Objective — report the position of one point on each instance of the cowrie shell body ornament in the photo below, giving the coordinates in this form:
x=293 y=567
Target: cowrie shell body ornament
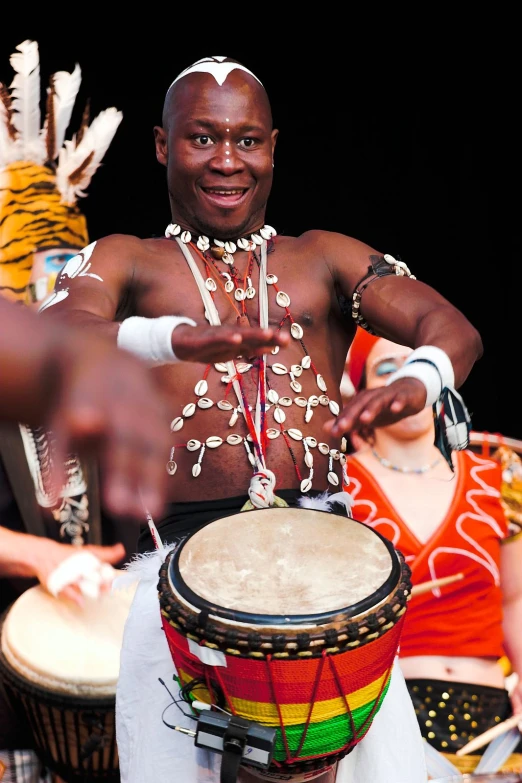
x=296 y=331
x=282 y=299
x=275 y=398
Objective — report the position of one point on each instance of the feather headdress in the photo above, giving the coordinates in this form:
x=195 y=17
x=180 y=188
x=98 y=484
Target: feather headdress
x=43 y=174
x=21 y=137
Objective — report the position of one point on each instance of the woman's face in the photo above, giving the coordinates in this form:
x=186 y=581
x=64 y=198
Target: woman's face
x=47 y=264
x=384 y=359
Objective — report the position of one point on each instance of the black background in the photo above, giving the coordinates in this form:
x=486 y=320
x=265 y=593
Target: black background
x=408 y=143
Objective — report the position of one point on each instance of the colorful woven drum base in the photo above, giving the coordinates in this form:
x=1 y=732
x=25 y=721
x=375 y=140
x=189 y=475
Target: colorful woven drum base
x=317 y=678
x=312 y=698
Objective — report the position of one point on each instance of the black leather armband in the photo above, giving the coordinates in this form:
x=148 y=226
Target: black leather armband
x=380 y=267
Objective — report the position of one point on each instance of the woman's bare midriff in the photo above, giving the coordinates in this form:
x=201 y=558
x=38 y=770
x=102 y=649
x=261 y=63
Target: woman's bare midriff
x=480 y=671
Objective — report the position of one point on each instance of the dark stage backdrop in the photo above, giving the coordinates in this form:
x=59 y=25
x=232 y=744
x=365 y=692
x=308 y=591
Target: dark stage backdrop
x=389 y=144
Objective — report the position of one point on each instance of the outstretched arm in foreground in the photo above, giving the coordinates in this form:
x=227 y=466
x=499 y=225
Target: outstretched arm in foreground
x=94 y=398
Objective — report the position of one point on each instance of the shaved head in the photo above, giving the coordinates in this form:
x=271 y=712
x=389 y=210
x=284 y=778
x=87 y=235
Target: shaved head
x=219 y=68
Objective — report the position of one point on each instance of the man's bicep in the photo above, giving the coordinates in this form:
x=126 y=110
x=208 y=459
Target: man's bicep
x=384 y=295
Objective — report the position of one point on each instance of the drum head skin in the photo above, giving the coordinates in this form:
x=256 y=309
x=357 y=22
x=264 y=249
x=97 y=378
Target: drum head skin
x=61 y=647
x=285 y=565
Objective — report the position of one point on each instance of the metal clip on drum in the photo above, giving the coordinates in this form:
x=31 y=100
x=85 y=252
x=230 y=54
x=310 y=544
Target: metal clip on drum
x=238 y=739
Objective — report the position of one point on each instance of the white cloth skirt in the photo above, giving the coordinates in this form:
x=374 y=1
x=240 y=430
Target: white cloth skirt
x=391 y=752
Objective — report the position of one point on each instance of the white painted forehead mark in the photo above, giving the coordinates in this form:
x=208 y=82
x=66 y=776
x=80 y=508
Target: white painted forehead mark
x=227 y=143
x=216 y=68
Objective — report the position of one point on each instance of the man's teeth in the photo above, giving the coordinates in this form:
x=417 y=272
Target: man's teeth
x=225 y=192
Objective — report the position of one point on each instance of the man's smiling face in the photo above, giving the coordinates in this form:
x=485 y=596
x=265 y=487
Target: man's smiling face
x=218 y=145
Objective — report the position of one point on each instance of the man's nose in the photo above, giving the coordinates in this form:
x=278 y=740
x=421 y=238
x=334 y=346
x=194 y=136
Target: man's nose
x=226 y=159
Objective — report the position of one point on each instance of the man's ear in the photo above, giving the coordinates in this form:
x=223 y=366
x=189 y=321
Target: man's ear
x=275 y=133
x=160 y=140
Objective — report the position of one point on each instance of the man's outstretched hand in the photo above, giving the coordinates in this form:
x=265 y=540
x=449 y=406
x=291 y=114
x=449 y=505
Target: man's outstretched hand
x=379 y=407
x=221 y=343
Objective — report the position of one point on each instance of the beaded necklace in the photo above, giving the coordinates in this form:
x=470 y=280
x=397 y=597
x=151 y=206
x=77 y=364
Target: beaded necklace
x=268 y=403
x=387 y=464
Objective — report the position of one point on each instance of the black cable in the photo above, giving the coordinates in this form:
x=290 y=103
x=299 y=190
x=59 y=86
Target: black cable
x=177 y=703
x=216 y=694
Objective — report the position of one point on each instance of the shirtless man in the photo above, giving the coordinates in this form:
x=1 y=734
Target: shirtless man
x=218 y=144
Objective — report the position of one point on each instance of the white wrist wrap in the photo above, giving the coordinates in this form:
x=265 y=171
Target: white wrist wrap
x=432 y=366
x=151 y=338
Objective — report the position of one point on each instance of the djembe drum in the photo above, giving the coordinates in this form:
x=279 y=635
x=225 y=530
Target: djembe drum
x=290 y=618
x=59 y=665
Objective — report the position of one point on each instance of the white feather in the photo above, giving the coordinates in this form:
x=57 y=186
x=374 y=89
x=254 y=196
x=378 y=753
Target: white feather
x=97 y=138
x=25 y=93
x=320 y=502
x=66 y=87
x=325 y=500
x=9 y=148
x=142 y=567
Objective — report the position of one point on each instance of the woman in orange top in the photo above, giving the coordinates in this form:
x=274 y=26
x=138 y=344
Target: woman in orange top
x=445 y=522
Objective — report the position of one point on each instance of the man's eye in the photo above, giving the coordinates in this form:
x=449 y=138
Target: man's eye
x=386 y=368
x=204 y=140
x=247 y=143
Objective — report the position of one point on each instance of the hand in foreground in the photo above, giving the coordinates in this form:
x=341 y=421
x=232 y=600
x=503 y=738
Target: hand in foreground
x=109 y=406
x=73 y=572
x=220 y=343
x=379 y=407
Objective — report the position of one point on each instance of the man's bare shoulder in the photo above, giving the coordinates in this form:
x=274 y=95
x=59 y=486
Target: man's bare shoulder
x=127 y=243
x=127 y=250
x=330 y=245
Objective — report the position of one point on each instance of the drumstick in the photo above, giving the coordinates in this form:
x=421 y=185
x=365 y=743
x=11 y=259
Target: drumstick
x=490 y=734
x=424 y=587
x=158 y=543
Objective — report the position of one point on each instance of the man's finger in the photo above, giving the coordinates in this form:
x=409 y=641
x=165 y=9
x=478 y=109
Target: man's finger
x=133 y=462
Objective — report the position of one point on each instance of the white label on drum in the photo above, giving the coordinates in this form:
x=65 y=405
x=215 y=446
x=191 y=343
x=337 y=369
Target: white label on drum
x=206 y=655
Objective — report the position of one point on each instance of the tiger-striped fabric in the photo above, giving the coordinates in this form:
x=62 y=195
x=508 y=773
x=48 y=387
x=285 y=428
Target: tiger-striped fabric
x=32 y=218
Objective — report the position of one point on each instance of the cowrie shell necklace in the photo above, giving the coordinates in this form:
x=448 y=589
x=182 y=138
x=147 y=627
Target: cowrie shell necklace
x=220 y=249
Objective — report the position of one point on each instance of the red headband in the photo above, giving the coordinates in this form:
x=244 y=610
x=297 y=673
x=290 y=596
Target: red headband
x=361 y=346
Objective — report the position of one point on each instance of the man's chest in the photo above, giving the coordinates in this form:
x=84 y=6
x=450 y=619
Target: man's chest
x=284 y=294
